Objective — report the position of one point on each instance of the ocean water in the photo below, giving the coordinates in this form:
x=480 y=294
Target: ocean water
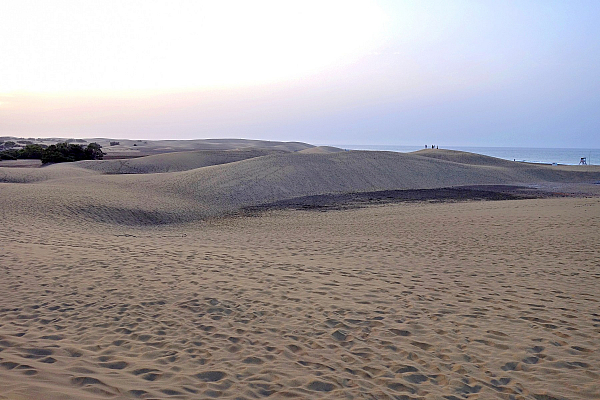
x=568 y=156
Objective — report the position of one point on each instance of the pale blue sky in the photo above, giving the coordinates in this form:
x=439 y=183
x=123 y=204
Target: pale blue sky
x=479 y=73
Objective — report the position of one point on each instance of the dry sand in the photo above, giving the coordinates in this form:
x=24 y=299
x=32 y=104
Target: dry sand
x=174 y=162
x=126 y=148
x=97 y=194
x=127 y=286
x=321 y=150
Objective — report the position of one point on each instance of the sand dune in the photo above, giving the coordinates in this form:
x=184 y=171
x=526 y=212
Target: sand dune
x=30 y=175
x=221 y=144
x=68 y=191
x=477 y=300
x=321 y=150
x=463 y=157
x=173 y=162
x=282 y=176
x=119 y=281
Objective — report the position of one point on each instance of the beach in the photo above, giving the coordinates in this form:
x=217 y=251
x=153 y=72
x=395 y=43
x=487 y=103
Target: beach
x=176 y=285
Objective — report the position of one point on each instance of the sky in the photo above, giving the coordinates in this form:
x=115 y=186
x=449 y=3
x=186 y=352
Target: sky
x=387 y=72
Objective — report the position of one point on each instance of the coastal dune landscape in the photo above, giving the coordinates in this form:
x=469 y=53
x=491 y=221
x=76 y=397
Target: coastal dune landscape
x=204 y=185
x=242 y=200
x=283 y=270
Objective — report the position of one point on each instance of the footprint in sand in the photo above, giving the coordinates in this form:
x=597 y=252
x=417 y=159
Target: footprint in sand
x=581 y=349
x=37 y=353
x=405 y=369
x=400 y=332
x=416 y=378
x=511 y=366
x=137 y=393
x=8 y=365
x=400 y=387
x=114 y=365
x=421 y=345
x=339 y=335
x=319 y=386
x=253 y=360
x=86 y=380
x=171 y=392
x=210 y=376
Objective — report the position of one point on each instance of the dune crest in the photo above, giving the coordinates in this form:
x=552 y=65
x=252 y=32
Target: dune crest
x=173 y=162
x=95 y=191
x=464 y=157
x=321 y=150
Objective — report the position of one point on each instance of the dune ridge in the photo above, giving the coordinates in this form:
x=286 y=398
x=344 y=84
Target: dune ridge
x=173 y=162
x=54 y=172
x=321 y=150
x=464 y=157
x=95 y=191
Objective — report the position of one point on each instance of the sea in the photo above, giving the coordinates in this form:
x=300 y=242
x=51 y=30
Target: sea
x=565 y=156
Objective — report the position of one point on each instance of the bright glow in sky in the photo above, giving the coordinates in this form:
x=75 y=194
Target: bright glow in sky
x=463 y=72
x=64 y=46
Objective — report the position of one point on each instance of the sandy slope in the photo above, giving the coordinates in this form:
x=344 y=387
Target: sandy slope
x=291 y=175
x=68 y=191
x=29 y=175
x=213 y=144
x=463 y=157
x=478 y=300
x=321 y=150
x=173 y=162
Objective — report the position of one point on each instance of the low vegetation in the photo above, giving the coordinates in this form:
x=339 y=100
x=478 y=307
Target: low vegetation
x=61 y=152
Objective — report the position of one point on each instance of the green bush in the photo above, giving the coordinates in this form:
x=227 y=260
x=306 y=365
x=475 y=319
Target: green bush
x=61 y=152
x=68 y=152
x=31 y=151
x=9 y=154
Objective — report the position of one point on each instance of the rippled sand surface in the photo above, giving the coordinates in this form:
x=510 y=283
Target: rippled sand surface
x=478 y=300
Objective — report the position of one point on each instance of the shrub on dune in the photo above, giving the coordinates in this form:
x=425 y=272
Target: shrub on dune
x=68 y=152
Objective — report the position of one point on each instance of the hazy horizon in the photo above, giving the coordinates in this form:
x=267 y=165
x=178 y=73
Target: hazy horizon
x=462 y=73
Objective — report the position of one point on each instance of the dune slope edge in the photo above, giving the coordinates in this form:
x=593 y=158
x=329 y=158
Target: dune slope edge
x=79 y=191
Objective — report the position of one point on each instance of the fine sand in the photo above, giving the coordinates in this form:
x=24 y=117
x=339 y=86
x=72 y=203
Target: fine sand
x=110 y=192
x=127 y=148
x=135 y=283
